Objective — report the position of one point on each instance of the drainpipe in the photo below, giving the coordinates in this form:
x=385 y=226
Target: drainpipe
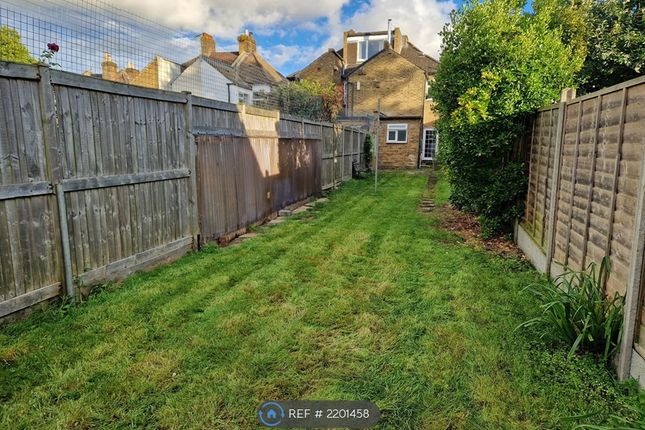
x=346 y=97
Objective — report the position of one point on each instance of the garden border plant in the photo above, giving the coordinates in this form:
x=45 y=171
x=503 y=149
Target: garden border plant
x=576 y=311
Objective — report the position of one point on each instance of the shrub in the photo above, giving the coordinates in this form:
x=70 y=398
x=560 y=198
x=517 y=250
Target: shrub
x=308 y=99
x=11 y=47
x=367 y=150
x=576 y=310
x=498 y=65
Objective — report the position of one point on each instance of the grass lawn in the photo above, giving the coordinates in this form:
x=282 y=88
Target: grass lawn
x=362 y=298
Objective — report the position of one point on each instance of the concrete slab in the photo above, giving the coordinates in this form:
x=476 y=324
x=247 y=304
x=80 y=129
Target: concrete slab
x=276 y=221
x=532 y=250
x=285 y=212
x=301 y=209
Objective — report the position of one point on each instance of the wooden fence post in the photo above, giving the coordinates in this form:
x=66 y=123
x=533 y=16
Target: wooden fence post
x=335 y=143
x=342 y=157
x=192 y=166
x=555 y=187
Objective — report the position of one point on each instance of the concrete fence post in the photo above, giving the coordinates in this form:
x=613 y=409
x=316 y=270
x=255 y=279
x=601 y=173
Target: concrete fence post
x=192 y=166
x=634 y=283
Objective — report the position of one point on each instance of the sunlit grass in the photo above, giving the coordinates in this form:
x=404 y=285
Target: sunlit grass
x=369 y=299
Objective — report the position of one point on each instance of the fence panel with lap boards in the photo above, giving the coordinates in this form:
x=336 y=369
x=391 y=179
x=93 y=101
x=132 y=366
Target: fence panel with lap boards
x=100 y=179
x=586 y=195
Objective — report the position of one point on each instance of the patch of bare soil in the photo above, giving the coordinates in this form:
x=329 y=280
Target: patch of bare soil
x=468 y=228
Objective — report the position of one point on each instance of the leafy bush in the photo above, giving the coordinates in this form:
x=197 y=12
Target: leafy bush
x=576 y=310
x=308 y=99
x=11 y=47
x=368 y=150
x=498 y=65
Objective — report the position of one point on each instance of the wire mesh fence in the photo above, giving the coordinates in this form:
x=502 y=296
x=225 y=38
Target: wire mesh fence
x=94 y=38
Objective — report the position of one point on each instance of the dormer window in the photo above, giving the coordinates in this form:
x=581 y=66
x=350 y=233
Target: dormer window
x=367 y=46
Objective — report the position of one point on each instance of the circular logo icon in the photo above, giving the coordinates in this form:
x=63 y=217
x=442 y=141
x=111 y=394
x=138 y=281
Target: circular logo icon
x=271 y=414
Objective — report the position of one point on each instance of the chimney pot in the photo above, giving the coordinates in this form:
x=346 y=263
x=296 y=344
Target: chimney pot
x=246 y=42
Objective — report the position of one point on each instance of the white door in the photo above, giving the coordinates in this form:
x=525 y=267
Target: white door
x=430 y=142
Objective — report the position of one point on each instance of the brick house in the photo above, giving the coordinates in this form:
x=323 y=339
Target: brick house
x=384 y=66
x=241 y=76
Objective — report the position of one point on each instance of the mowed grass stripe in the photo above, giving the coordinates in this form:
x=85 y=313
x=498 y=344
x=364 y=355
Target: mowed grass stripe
x=362 y=298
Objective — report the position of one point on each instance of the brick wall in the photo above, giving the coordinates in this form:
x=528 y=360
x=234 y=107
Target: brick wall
x=326 y=68
x=397 y=82
x=400 y=155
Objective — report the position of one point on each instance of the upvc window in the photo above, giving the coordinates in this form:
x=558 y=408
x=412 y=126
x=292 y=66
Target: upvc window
x=244 y=98
x=397 y=133
x=366 y=49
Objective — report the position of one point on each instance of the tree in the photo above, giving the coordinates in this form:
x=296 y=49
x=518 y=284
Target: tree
x=11 y=47
x=616 y=43
x=498 y=65
x=309 y=99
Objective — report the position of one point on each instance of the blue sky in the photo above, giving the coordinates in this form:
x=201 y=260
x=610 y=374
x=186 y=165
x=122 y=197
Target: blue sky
x=292 y=33
x=289 y=33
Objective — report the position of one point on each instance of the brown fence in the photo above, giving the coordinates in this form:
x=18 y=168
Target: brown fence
x=586 y=195
x=99 y=179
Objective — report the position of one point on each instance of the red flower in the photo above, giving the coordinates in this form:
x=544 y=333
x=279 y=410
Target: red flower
x=53 y=47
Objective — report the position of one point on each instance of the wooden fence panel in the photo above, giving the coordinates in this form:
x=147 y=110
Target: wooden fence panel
x=125 y=173
x=29 y=251
x=598 y=207
x=542 y=153
x=348 y=148
x=243 y=180
x=328 y=157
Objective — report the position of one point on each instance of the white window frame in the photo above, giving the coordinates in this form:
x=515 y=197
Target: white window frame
x=361 y=54
x=436 y=144
x=244 y=98
x=396 y=128
x=363 y=42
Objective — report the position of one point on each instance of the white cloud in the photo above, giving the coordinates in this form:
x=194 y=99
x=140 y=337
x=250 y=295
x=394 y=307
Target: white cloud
x=420 y=20
x=222 y=18
x=279 y=55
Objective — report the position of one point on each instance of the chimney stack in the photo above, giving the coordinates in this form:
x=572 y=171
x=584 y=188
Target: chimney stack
x=399 y=41
x=109 y=70
x=246 y=42
x=208 y=45
x=131 y=72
